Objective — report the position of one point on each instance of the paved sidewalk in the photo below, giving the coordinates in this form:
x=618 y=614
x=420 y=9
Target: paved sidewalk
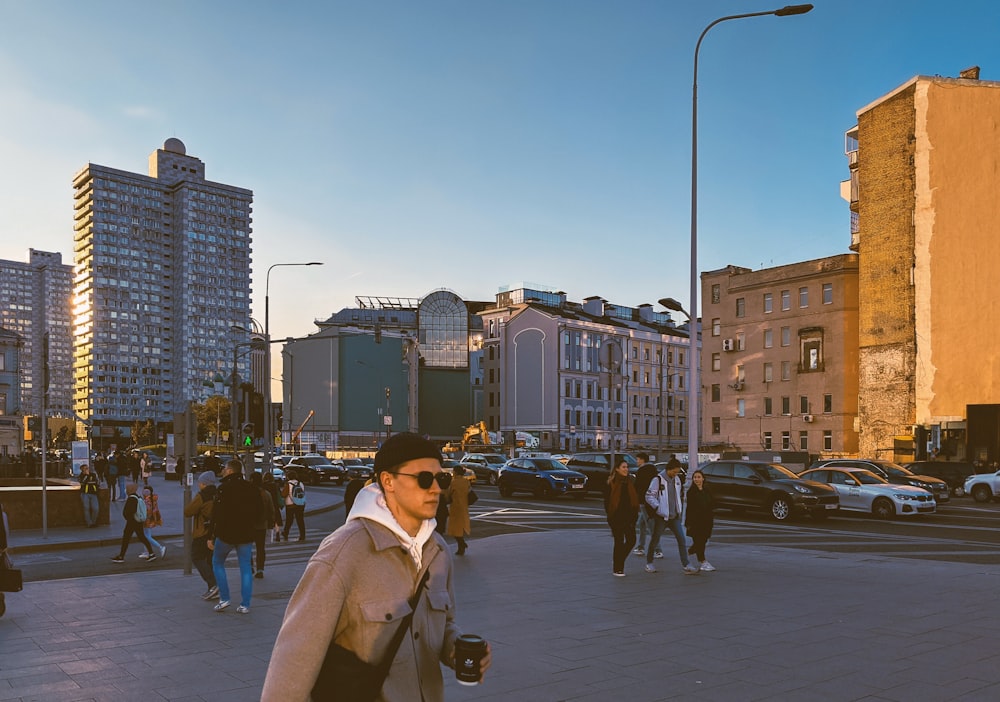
x=770 y=624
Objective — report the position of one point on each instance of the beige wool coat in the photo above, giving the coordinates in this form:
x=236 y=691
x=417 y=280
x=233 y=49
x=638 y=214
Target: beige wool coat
x=458 y=510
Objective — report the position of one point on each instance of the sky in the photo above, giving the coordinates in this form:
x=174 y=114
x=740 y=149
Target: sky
x=470 y=144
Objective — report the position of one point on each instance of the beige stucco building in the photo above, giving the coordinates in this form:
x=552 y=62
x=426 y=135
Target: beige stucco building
x=925 y=173
x=780 y=358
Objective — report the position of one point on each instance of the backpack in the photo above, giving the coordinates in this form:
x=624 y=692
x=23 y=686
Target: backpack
x=140 y=509
x=298 y=494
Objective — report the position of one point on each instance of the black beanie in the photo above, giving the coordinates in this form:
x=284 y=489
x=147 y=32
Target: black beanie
x=403 y=447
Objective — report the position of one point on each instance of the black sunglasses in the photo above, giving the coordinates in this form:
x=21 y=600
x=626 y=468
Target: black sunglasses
x=425 y=478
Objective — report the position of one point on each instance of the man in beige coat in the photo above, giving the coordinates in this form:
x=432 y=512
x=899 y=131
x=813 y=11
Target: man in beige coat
x=356 y=587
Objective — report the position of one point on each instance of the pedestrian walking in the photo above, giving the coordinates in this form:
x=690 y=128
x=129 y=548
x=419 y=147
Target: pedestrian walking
x=234 y=517
x=116 y=481
x=444 y=502
x=621 y=504
x=153 y=519
x=699 y=518
x=665 y=495
x=200 y=508
x=644 y=520
x=145 y=468
x=134 y=513
x=354 y=486
x=88 y=496
x=378 y=562
x=459 y=524
x=101 y=469
x=277 y=504
x=294 y=493
x=264 y=522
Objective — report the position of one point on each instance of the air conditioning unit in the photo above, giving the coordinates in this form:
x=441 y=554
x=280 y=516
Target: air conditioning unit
x=738 y=385
x=807 y=418
x=728 y=345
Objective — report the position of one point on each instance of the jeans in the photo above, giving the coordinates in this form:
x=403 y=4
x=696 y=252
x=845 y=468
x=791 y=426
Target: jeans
x=243 y=553
x=644 y=524
x=133 y=527
x=90 y=508
x=298 y=513
x=260 y=555
x=675 y=525
x=202 y=559
x=624 y=536
x=122 y=481
x=148 y=533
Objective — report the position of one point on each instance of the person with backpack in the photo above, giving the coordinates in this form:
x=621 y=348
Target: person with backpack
x=666 y=496
x=621 y=504
x=294 y=493
x=135 y=514
x=265 y=521
x=201 y=507
x=234 y=520
x=644 y=520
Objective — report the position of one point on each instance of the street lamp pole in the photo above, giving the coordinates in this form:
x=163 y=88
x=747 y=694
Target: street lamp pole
x=693 y=382
x=268 y=431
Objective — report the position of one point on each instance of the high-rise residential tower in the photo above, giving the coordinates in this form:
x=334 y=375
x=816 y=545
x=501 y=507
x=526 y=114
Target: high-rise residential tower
x=162 y=278
x=35 y=299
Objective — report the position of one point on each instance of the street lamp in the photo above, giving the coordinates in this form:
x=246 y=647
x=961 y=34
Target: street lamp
x=268 y=432
x=693 y=389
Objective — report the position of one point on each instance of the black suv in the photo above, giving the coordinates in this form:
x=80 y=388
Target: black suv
x=895 y=474
x=741 y=485
x=313 y=468
x=952 y=472
x=597 y=467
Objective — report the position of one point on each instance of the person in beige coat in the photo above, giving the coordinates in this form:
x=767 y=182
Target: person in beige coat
x=356 y=587
x=459 y=524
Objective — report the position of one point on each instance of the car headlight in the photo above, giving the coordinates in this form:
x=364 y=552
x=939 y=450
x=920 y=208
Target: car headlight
x=803 y=489
x=904 y=496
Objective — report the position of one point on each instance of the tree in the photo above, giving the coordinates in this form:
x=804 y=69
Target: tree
x=213 y=416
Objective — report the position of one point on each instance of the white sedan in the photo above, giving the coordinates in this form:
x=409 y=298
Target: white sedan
x=863 y=491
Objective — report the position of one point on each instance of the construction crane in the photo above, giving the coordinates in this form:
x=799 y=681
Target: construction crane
x=475 y=430
x=298 y=431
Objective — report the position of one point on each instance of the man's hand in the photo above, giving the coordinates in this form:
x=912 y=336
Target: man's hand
x=484 y=663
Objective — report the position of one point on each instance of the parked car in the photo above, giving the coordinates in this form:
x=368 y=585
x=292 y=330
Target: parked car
x=742 y=485
x=861 y=490
x=356 y=469
x=983 y=487
x=485 y=465
x=450 y=464
x=313 y=468
x=275 y=471
x=952 y=472
x=542 y=477
x=895 y=474
x=597 y=467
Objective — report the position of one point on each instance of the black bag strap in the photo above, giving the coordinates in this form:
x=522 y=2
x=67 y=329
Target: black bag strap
x=382 y=672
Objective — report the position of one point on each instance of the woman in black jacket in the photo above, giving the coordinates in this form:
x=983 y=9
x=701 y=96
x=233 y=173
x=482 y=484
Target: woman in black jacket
x=621 y=503
x=699 y=518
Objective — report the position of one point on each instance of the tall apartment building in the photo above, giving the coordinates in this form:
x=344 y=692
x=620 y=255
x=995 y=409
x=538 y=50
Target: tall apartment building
x=924 y=173
x=162 y=277
x=780 y=359
x=546 y=363
x=35 y=300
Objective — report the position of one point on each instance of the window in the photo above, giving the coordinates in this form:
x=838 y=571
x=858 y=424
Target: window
x=768 y=407
x=786 y=370
x=827 y=293
x=786 y=300
x=716 y=361
x=810 y=350
x=768 y=303
x=803 y=297
x=635 y=352
x=768 y=338
x=803 y=404
x=716 y=327
x=786 y=441
x=716 y=392
x=741 y=375
x=786 y=405
x=767 y=441
x=768 y=373
x=803 y=441
x=716 y=294
x=741 y=307
x=827 y=404
x=741 y=341
x=741 y=408
x=716 y=425
x=828 y=440
x=786 y=336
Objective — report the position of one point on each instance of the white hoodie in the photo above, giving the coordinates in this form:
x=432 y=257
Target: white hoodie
x=370 y=504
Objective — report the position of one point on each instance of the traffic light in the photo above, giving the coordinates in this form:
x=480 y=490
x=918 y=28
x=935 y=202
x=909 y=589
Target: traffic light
x=247 y=434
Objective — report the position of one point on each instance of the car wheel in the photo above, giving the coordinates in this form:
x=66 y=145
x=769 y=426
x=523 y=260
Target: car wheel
x=982 y=493
x=504 y=490
x=491 y=478
x=882 y=508
x=780 y=508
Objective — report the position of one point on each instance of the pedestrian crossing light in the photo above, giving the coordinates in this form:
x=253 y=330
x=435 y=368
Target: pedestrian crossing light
x=248 y=434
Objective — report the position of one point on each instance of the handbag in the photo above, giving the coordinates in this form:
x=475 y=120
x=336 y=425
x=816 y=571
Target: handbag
x=346 y=678
x=473 y=497
x=10 y=577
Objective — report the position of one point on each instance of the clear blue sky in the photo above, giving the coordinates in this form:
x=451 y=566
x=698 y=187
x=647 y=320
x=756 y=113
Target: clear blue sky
x=469 y=144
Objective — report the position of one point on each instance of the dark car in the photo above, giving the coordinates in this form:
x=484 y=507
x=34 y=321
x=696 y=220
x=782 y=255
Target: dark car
x=952 y=472
x=743 y=485
x=895 y=474
x=356 y=469
x=486 y=466
x=313 y=468
x=542 y=477
x=597 y=467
